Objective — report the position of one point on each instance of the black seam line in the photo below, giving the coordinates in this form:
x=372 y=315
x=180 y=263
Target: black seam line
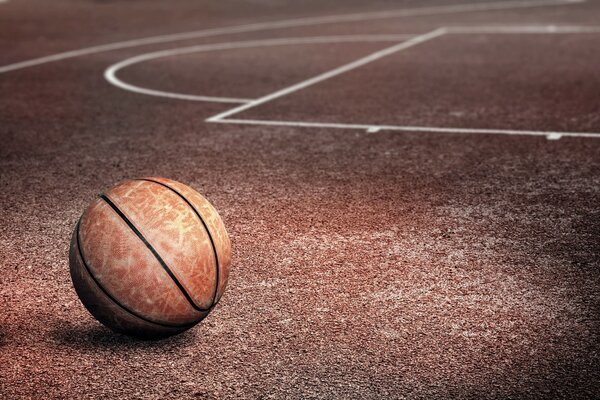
x=87 y=268
x=154 y=252
x=212 y=242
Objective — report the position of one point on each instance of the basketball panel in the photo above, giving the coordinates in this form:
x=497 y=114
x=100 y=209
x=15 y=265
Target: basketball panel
x=174 y=230
x=215 y=225
x=123 y=265
x=108 y=311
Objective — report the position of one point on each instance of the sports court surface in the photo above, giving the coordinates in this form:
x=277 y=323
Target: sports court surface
x=411 y=189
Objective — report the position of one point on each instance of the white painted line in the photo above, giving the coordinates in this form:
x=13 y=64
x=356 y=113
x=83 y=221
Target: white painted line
x=110 y=74
x=330 y=74
x=310 y=21
x=554 y=136
x=431 y=129
x=534 y=29
x=178 y=96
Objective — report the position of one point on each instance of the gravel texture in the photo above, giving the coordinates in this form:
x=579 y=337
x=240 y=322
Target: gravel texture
x=365 y=265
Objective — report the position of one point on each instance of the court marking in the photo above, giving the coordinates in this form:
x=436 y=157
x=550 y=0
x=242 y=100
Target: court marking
x=523 y=29
x=334 y=72
x=111 y=71
x=297 y=22
x=372 y=128
x=110 y=74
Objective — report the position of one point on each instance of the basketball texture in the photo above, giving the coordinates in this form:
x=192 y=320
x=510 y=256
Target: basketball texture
x=150 y=257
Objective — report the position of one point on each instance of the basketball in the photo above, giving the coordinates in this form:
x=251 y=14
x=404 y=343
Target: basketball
x=150 y=258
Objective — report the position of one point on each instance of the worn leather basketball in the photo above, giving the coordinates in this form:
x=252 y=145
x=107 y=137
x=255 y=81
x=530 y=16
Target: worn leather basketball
x=150 y=257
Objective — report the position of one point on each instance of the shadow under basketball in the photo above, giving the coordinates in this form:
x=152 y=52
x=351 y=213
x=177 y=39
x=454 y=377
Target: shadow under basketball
x=98 y=337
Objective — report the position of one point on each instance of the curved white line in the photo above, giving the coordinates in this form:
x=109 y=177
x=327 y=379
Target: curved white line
x=457 y=8
x=110 y=74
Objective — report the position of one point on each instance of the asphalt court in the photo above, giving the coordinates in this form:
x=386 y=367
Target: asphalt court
x=533 y=82
x=266 y=68
x=396 y=233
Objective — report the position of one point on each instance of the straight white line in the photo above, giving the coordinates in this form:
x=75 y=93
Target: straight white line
x=330 y=74
x=310 y=21
x=376 y=128
x=523 y=29
x=110 y=74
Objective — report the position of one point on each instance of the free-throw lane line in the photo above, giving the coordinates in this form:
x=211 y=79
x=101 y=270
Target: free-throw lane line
x=309 y=21
x=110 y=74
x=376 y=128
x=330 y=74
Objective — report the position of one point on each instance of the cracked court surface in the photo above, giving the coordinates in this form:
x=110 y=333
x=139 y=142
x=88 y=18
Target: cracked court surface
x=411 y=189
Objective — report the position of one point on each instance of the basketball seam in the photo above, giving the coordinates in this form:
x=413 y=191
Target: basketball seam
x=105 y=291
x=212 y=242
x=154 y=252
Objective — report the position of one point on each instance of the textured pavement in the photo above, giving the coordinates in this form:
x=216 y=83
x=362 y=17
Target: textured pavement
x=365 y=265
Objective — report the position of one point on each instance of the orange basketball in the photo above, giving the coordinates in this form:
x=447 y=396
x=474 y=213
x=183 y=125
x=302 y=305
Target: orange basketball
x=150 y=257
